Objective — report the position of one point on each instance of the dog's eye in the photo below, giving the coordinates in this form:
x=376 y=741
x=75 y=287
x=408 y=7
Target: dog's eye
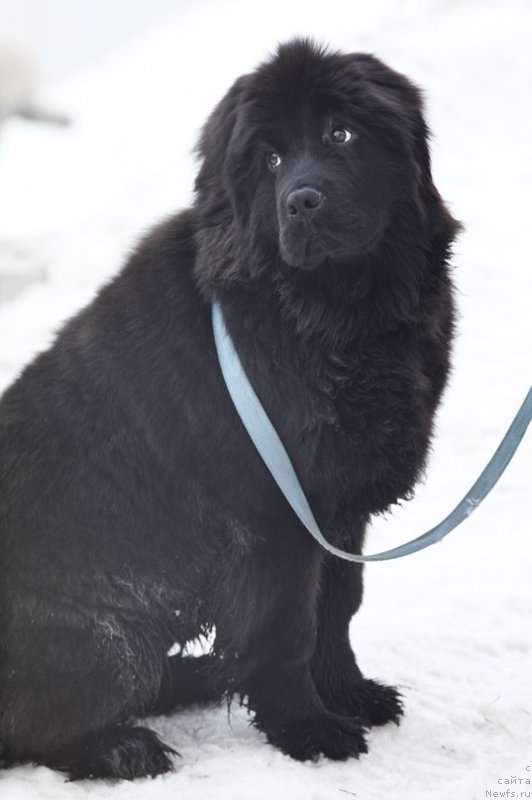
x=272 y=159
x=340 y=135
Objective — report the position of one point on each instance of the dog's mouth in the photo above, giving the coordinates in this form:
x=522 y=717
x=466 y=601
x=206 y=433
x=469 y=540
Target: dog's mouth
x=307 y=248
x=304 y=255
x=309 y=252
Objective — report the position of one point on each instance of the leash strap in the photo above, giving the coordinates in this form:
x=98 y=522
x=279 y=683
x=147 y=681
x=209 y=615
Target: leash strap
x=274 y=455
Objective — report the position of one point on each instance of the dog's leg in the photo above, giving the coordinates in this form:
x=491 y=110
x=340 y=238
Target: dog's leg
x=188 y=680
x=338 y=679
x=265 y=602
x=67 y=700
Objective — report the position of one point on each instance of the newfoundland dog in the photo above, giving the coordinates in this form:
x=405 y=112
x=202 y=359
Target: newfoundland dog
x=136 y=514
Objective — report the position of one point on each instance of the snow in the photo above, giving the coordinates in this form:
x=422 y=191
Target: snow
x=451 y=625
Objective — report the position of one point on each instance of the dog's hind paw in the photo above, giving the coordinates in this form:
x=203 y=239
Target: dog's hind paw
x=118 y=753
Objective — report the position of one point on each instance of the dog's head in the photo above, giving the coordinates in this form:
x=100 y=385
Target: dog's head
x=313 y=158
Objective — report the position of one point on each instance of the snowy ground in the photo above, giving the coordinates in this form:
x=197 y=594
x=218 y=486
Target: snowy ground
x=450 y=626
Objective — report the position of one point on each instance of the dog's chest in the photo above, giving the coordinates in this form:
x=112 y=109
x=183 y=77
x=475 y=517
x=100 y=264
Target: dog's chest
x=355 y=419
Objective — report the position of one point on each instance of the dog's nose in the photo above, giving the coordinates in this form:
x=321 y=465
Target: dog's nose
x=302 y=203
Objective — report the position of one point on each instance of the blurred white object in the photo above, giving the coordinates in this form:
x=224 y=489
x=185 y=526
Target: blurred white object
x=20 y=83
x=20 y=79
x=19 y=266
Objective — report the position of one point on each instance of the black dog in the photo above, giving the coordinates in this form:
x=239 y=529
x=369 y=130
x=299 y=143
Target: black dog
x=134 y=509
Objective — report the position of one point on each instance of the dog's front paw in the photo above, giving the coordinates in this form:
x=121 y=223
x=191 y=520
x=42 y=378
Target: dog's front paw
x=380 y=703
x=372 y=702
x=329 y=735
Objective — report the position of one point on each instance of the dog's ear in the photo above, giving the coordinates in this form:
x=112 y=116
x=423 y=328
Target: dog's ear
x=213 y=145
x=403 y=101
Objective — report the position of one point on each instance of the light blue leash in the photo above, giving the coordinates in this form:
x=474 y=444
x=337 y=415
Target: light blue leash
x=274 y=455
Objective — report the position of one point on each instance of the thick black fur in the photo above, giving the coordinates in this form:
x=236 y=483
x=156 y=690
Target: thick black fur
x=129 y=490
